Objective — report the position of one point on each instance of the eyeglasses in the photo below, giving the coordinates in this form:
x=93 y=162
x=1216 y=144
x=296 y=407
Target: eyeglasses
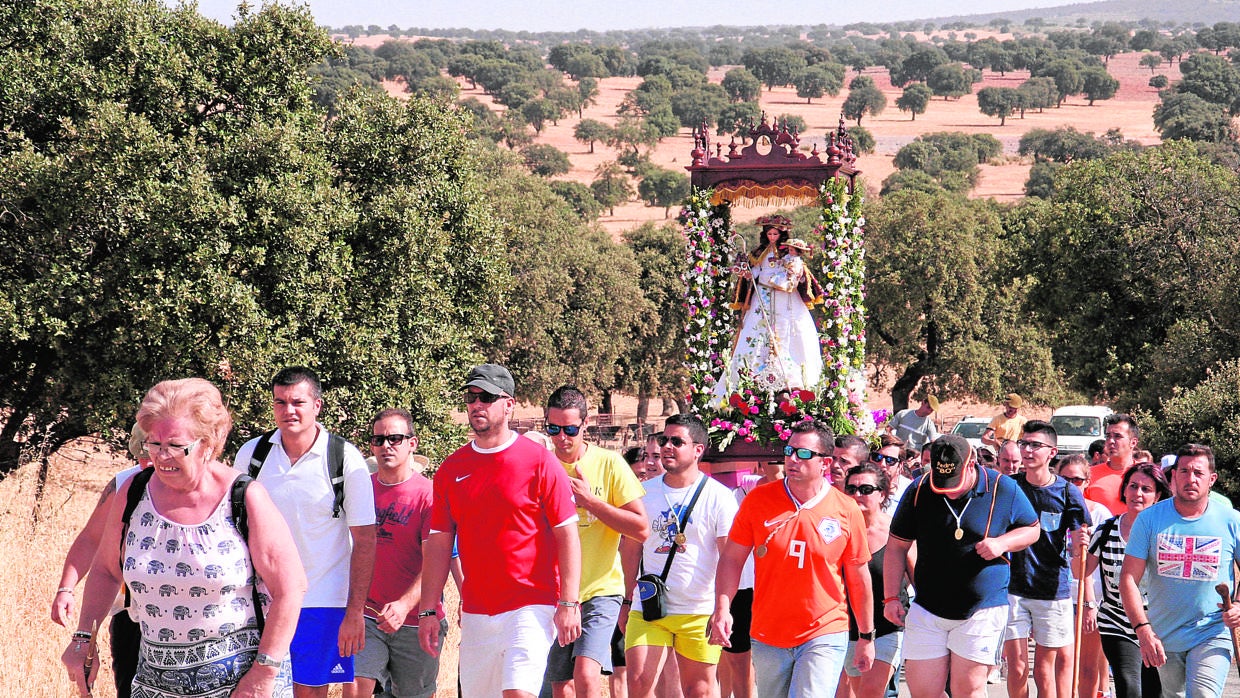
x=568 y=429
x=155 y=448
x=863 y=490
x=673 y=440
x=486 y=398
x=1035 y=445
x=393 y=439
x=1078 y=481
x=880 y=458
x=803 y=453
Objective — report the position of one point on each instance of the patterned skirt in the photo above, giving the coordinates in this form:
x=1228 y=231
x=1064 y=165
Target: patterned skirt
x=210 y=668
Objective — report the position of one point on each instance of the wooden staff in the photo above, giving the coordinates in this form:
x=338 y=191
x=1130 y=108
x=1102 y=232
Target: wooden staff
x=1225 y=594
x=1081 y=581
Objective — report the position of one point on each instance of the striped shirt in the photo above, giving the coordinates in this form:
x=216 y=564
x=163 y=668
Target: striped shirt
x=1108 y=545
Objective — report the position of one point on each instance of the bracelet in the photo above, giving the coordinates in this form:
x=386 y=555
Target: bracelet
x=889 y=599
x=570 y=604
x=65 y=590
x=1138 y=626
x=627 y=602
x=81 y=636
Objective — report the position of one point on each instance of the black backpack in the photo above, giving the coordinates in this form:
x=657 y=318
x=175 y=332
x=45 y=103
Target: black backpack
x=335 y=465
x=240 y=517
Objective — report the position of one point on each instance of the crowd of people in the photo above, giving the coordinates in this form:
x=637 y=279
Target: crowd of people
x=825 y=572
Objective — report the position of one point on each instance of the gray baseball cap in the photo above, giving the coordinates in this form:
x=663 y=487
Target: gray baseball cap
x=493 y=378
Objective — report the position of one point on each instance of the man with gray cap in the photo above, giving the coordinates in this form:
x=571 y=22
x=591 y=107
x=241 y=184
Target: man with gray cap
x=508 y=504
x=964 y=518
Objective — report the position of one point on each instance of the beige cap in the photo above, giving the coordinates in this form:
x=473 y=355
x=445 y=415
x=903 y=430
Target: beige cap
x=1013 y=400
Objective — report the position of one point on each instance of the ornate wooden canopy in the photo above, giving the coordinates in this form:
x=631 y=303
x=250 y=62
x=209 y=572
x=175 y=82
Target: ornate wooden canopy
x=770 y=168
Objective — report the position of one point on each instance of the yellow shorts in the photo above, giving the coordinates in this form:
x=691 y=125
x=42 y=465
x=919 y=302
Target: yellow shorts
x=682 y=632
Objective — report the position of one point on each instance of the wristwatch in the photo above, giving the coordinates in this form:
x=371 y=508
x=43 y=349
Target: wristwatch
x=866 y=636
x=267 y=660
x=1091 y=604
x=427 y=613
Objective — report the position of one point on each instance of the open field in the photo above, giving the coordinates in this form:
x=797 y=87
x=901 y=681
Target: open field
x=1130 y=111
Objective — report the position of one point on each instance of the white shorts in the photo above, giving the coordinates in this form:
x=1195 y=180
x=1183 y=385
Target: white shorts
x=506 y=651
x=978 y=638
x=1049 y=623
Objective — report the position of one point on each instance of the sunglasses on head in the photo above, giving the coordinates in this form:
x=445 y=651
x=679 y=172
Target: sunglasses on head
x=393 y=439
x=880 y=459
x=863 y=490
x=568 y=429
x=486 y=398
x=802 y=453
x=673 y=440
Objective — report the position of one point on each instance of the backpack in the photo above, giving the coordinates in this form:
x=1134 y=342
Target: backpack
x=240 y=517
x=335 y=465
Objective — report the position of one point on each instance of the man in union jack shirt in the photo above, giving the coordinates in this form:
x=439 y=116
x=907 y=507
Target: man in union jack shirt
x=1184 y=547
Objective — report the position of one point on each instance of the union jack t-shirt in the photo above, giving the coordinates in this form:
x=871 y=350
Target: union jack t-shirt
x=1184 y=560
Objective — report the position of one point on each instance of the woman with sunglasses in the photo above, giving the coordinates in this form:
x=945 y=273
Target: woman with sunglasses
x=1142 y=485
x=869 y=486
x=888 y=458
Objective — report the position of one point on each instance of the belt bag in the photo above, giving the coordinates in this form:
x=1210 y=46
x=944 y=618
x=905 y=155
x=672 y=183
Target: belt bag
x=652 y=588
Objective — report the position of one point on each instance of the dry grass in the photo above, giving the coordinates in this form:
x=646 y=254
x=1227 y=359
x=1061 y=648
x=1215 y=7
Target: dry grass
x=33 y=542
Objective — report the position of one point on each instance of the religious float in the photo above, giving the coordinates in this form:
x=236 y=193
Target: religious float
x=775 y=335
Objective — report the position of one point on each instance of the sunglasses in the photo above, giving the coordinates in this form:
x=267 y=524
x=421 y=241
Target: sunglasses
x=673 y=440
x=569 y=429
x=879 y=458
x=802 y=453
x=393 y=439
x=1078 y=481
x=486 y=398
x=863 y=490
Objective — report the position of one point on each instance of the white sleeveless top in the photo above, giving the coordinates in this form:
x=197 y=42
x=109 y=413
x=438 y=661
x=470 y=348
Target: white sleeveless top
x=191 y=589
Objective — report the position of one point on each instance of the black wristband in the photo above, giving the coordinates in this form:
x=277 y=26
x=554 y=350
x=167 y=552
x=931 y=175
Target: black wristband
x=1138 y=626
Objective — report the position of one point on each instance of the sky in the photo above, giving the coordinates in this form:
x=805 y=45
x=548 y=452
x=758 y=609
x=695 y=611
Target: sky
x=601 y=15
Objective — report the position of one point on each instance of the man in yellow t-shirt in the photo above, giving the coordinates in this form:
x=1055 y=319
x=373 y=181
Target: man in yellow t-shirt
x=609 y=505
x=1007 y=426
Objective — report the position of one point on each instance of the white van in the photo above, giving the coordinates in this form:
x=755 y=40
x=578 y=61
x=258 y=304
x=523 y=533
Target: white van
x=1078 y=426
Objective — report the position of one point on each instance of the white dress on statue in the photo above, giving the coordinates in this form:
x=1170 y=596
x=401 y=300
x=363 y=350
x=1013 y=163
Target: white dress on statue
x=778 y=341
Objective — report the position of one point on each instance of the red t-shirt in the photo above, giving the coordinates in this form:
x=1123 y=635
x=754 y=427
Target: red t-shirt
x=402 y=522
x=503 y=505
x=1104 y=485
x=804 y=561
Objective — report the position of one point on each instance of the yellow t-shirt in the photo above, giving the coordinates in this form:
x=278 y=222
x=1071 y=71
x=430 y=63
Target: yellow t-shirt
x=1007 y=429
x=612 y=481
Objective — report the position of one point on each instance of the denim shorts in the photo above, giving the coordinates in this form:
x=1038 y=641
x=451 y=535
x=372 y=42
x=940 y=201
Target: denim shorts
x=598 y=624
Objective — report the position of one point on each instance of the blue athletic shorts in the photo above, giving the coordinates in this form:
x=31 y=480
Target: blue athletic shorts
x=316 y=648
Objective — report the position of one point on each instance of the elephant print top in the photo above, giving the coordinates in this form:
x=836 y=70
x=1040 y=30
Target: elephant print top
x=190 y=593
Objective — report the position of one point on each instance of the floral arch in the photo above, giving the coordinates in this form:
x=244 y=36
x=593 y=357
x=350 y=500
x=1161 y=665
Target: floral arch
x=770 y=169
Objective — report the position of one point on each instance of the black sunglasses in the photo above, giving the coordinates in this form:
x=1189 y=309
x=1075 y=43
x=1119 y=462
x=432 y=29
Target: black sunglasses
x=394 y=439
x=881 y=458
x=803 y=453
x=673 y=440
x=569 y=429
x=486 y=398
x=865 y=490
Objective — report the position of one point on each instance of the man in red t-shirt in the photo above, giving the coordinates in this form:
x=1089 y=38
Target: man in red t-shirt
x=508 y=504
x=809 y=543
x=1121 y=434
x=402 y=521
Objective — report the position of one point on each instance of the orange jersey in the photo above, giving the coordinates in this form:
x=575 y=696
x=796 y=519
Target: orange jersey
x=799 y=556
x=1104 y=484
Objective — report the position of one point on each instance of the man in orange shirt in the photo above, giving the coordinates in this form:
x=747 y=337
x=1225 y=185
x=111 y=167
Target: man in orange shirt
x=1120 y=433
x=808 y=541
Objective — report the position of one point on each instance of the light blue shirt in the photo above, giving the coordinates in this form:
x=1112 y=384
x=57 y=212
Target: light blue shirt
x=1184 y=560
